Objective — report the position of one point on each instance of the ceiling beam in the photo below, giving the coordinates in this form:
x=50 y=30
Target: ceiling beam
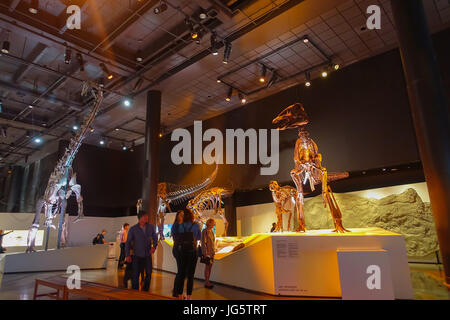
x=33 y=56
x=13 y=5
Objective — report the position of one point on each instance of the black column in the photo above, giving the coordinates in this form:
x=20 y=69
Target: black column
x=151 y=168
x=430 y=112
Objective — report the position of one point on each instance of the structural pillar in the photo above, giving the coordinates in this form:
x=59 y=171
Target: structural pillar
x=151 y=153
x=430 y=112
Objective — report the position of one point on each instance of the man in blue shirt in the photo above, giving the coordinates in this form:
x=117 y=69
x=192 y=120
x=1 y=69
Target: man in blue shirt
x=143 y=240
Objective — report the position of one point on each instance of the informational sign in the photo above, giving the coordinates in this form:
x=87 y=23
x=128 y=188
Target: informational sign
x=18 y=238
x=365 y=274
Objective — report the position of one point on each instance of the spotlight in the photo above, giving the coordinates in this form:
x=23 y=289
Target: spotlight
x=194 y=34
x=160 y=135
x=273 y=79
x=214 y=44
x=161 y=8
x=109 y=75
x=132 y=147
x=28 y=134
x=30 y=106
x=37 y=140
x=262 y=78
x=305 y=39
x=139 y=56
x=127 y=102
x=91 y=130
x=80 y=61
x=102 y=141
x=230 y=93
x=5 y=46
x=219 y=81
x=203 y=15
x=226 y=52
x=67 y=55
x=308 y=79
x=324 y=73
x=124 y=147
x=116 y=129
x=75 y=127
x=242 y=98
x=335 y=66
x=34 y=7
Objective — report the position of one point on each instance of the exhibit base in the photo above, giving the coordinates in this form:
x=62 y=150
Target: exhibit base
x=369 y=263
x=86 y=257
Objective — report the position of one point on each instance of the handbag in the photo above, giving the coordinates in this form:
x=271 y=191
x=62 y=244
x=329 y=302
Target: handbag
x=205 y=260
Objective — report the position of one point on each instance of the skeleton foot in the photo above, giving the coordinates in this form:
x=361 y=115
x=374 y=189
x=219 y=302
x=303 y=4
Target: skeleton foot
x=339 y=228
x=300 y=229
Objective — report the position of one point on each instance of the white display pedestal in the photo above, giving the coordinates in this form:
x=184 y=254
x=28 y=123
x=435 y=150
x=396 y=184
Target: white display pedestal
x=86 y=257
x=299 y=264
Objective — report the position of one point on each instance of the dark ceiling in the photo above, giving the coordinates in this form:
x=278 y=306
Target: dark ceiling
x=116 y=33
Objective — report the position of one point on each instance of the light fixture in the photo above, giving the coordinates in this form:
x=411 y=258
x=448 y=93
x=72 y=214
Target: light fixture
x=34 y=7
x=160 y=135
x=109 y=75
x=102 y=142
x=132 y=147
x=28 y=133
x=124 y=147
x=324 y=73
x=127 y=102
x=194 y=34
x=161 y=8
x=305 y=39
x=229 y=94
x=226 y=52
x=80 y=61
x=214 y=44
x=5 y=46
x=273 y=79
x=242 y=98
x=219 y=81
x=335 y=66
x=30 y=106
x=308 y=79
x=116 y=129
x=75 y=127
x=67 y=56
x=203 y=15
x=262 y=78
x=37 y=140
x=91 y=130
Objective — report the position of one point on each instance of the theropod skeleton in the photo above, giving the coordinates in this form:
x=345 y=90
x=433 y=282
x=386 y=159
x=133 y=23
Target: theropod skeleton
x=308 y=165
x=210 y=199
x=172 y=193
x=62 y=182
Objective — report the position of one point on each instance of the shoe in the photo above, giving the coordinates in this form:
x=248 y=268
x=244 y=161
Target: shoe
x=209 y=287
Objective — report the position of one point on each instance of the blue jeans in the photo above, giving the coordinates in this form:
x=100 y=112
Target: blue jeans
x=186 y=261
x=139 y=265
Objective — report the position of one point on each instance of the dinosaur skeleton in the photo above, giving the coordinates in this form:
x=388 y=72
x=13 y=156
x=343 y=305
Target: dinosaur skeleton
x=62 y=182
x=210 y=199
x=172 y=193
x=285 y=199
x=308 y=165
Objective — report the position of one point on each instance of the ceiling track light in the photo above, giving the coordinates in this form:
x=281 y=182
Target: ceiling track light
x=67 y=56
x=273 y=79
x=262 y=78
x=124 y=147
x=80 y=61
x=102 y=141
x=5 y=46
x=139 y=57
x=229 y=94
x=242 y=98
x=308 y=79
x=109 y=75
x=214 y=44
x=324 y=73
x=127 y=102
x=334 y=66
x=227 y=52
x=34 y=7
x=305 y=39
x=161 y=8
x=203 y=15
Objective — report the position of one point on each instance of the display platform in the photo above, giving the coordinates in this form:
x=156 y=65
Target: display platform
x=300 y=264
x=86 y=257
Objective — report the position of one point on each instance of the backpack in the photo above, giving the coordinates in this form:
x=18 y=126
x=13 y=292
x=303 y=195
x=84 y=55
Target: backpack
x=96 y=239
x=185 y=241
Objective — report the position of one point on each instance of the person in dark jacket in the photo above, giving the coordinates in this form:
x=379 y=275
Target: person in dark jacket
x=178 y=220
x=143 y=239
x=186 y=237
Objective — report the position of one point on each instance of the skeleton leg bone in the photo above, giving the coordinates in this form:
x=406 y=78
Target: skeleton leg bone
x=296 y=177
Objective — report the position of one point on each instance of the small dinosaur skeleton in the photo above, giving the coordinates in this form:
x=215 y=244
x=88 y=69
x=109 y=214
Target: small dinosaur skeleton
x=308 y=165
x=62 y=182
x=172 y=193
x=210 y=199
x=285 y=202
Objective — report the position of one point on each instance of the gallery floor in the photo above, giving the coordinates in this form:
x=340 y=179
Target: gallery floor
x=426 y=281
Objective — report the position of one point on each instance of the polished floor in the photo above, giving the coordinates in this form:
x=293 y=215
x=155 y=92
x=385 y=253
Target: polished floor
x=427 y=281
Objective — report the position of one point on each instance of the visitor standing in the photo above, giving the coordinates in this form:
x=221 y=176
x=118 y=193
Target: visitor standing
x=143 y=239
x=178 y=221
x=187 y=235
x=274 y=226
x=208 y=244
x=123 y=239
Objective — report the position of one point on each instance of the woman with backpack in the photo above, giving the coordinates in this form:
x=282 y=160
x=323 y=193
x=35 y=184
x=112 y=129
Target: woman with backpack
x=178 y=220
x=186 y=235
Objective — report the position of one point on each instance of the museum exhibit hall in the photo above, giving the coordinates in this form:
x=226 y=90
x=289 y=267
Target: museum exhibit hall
x=224 y=150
